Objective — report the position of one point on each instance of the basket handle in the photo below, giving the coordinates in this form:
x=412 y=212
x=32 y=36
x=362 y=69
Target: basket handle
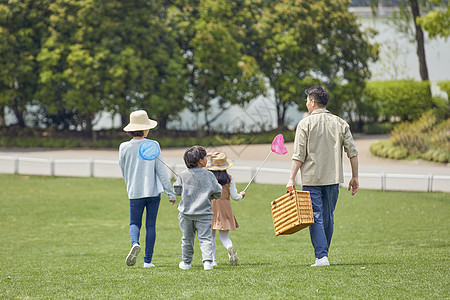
x=290 y=192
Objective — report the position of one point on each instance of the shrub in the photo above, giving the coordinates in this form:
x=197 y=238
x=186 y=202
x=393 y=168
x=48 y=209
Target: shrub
x=445 y=86
x=378 y=128
x=387 y=149
x=406 y=99
x=414 y=136
x=426 y=138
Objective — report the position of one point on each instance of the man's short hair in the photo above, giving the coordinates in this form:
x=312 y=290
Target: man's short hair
x=193 y=155
x=319 y=94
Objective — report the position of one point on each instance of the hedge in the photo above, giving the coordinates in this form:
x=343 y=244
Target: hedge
x=405 y=99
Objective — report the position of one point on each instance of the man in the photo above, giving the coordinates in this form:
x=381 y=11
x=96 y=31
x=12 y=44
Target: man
x=319 y=140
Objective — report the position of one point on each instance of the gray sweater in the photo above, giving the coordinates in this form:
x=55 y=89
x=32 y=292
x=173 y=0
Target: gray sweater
x=197 y=186
x=144 y=178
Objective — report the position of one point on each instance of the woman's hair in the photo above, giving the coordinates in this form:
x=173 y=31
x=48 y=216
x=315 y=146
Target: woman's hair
x=193 y=155
x=222 y=176
x=138 y=133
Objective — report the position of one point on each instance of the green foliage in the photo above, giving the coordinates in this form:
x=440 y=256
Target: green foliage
x=445 y=86
x=387 y=149
x=405 y=99
x=99 y=59
x=427 y=138
x=22 y=29
x=72 y=240
x=437 y=21
x=165 y=141
x=310 y=43
x=378 y=128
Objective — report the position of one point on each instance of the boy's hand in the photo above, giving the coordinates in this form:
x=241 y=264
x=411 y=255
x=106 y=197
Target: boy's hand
x=242 y=194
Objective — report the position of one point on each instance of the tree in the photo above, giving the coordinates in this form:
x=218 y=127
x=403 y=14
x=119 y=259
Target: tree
x=304 y=43
x=436 y=22
x=210 y=34
x=110 y=55
x=411 y=10
x=22 y=29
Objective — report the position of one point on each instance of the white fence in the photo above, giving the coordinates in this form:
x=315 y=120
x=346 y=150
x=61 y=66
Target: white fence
x=110 y=168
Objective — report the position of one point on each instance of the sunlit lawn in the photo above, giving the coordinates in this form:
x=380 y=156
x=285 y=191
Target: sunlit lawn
x=68 y=238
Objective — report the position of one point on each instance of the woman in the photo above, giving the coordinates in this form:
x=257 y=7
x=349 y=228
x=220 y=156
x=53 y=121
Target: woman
x=145 y=180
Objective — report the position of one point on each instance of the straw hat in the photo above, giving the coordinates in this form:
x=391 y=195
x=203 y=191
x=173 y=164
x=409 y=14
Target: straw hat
x=139 y=121
x=219 y=163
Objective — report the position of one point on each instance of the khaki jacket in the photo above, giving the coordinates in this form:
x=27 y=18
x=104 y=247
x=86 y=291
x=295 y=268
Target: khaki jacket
x=319 y=140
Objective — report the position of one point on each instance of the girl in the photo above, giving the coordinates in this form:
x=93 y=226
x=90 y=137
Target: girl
x=223 y=216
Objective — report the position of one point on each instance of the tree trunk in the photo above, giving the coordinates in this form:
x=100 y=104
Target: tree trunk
x=420 y=41
x=281 y=113
x=19 y=114
x=2 y=116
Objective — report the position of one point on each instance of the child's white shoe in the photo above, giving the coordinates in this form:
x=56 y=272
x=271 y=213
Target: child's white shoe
x=148 y=265
x=214 y=263
x=184 y=266
x=208 y=265
x=132 y=255
x=232 y=255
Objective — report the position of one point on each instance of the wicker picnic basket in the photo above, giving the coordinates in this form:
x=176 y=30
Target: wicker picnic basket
x=292 y=212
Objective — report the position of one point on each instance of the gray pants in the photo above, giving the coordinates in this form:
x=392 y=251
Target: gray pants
x=189 y=225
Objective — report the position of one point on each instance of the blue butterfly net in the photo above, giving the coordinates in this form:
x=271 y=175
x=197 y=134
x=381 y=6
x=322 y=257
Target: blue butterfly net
x=149 y=150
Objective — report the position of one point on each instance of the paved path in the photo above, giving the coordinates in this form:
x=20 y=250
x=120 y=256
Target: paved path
x=75 y=163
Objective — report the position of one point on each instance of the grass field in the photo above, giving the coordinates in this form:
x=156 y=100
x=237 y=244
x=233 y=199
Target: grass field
x=67 y=238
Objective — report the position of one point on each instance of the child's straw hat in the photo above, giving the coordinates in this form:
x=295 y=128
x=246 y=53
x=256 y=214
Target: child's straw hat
x=139 y=121
x=219 y=163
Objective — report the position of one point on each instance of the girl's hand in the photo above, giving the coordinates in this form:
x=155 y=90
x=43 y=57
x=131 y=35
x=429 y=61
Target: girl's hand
x=242 y=194
x=214 y=154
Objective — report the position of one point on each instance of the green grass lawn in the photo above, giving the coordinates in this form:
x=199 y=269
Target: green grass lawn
x=67 y=238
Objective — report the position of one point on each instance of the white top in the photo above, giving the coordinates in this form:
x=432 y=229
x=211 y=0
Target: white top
x=233 y=191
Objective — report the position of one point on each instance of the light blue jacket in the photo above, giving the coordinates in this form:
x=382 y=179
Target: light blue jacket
x=144 y=178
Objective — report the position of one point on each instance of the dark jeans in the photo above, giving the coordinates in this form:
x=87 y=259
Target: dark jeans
x=323 y=200
x=136 y=211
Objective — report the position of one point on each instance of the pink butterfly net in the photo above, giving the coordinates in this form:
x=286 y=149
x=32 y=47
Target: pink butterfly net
x=278 y=147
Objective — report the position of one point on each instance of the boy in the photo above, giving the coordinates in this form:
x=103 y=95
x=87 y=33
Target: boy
x=197 y=186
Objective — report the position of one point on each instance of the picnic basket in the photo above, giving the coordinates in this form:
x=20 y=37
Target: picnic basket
x=292 y=212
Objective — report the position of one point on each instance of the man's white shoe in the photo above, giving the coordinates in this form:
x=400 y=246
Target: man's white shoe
x=148 y=265
x=208 y=265
x=232 y=255
x=131 y=257
x=321 y=262
x=184 y=266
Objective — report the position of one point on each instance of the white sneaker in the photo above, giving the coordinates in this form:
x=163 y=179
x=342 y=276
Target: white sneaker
x=131 y=257
x=232 y=255
x=208 y=265
x=148 y=265
x=214 y=263
x=321 y=262
x=184 y=266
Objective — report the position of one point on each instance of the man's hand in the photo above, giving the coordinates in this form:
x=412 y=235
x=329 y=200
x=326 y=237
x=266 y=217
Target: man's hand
x=354 y=185
x=172 y=201
x=290 y=185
